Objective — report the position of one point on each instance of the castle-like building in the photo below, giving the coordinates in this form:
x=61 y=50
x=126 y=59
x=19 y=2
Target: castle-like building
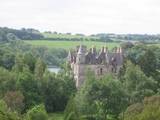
x=100 y=63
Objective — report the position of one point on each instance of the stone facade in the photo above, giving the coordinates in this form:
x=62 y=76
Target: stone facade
x=100 y=63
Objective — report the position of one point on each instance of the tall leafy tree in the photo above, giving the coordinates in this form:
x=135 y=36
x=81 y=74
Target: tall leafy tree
x=6 y=114
x=100 y=99
x=40 y=67
x=148 y=63
x=137 y=84
x=29 y=88
x=30 y=60
x=147 y=110
x=14 y=100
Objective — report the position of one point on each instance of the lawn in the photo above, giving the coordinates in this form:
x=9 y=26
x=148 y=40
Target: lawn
x=56 y=116
x=157 y=44
x=70 y=44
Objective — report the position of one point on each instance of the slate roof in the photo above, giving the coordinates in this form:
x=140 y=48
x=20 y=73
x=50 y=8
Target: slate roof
x=94 y=57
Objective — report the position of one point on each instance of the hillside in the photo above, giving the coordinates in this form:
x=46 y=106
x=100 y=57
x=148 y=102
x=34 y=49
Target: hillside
x=9 y=34
x=70 y=44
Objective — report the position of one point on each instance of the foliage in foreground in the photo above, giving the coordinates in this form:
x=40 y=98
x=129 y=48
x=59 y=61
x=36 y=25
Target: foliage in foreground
x=149 y=109
x=37 y=113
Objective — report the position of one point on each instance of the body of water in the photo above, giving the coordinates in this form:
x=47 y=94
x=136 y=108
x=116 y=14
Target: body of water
x=54 y=69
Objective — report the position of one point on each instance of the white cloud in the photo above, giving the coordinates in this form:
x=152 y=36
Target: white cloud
x=83 y=16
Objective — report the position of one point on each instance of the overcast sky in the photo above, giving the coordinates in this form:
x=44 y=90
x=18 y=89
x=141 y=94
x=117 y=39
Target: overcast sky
x=83 y=16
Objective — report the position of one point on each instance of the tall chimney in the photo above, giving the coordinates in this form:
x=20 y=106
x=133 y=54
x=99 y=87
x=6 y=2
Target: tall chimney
x=93 y=49
x=102 y=49
x=106 y=49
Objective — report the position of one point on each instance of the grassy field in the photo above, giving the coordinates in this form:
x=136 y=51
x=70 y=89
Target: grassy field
x=70 y=44
x=56 y=116
x=157 y=44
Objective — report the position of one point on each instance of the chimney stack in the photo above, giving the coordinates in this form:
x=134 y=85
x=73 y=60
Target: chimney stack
x=106 y=49
x=93 y=50
x=102 y=49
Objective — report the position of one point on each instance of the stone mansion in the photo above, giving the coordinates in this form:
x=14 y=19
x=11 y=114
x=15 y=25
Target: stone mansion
x=100 y=63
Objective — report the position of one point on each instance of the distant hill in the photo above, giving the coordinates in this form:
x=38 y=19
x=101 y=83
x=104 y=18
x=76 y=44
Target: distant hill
x=8 y=34
x=102 y=37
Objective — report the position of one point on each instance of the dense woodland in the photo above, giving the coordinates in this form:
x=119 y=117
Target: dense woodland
x=7 y=34
x=28 y=91
x=51 y=56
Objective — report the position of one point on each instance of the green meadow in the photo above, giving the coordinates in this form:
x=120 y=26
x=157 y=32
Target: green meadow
x=70 y=44
x=157 y=44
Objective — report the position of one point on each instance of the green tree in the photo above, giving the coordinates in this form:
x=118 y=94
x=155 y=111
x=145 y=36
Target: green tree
x=29 y=88
x=137 y=84
x=6 y=114
x=71 y=112
x=19 y=63
x=57 y=91
x=8 y=60
x=14 y=100
x=7 y=81
x=148 y=110
x=37 y=113
x=148 y=63
x=39 y=69
x=101 y=99
x=30 y=60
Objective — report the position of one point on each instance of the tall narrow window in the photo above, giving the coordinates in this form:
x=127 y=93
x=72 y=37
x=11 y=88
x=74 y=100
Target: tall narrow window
x=101 y=71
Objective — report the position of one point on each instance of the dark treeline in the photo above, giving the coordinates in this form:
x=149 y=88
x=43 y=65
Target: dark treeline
x=128 y=37
x=106 y=37
x=7 y=34
x=76 y=39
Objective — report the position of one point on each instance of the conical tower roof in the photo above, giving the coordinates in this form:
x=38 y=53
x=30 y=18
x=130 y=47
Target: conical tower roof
x=80 y=50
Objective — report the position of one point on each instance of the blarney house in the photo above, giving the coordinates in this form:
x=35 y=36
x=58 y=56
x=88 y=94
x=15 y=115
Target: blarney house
x=100 y=63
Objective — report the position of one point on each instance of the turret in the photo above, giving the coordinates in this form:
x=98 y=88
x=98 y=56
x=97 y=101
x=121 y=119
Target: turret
x=70 y=58
x=80 y=55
